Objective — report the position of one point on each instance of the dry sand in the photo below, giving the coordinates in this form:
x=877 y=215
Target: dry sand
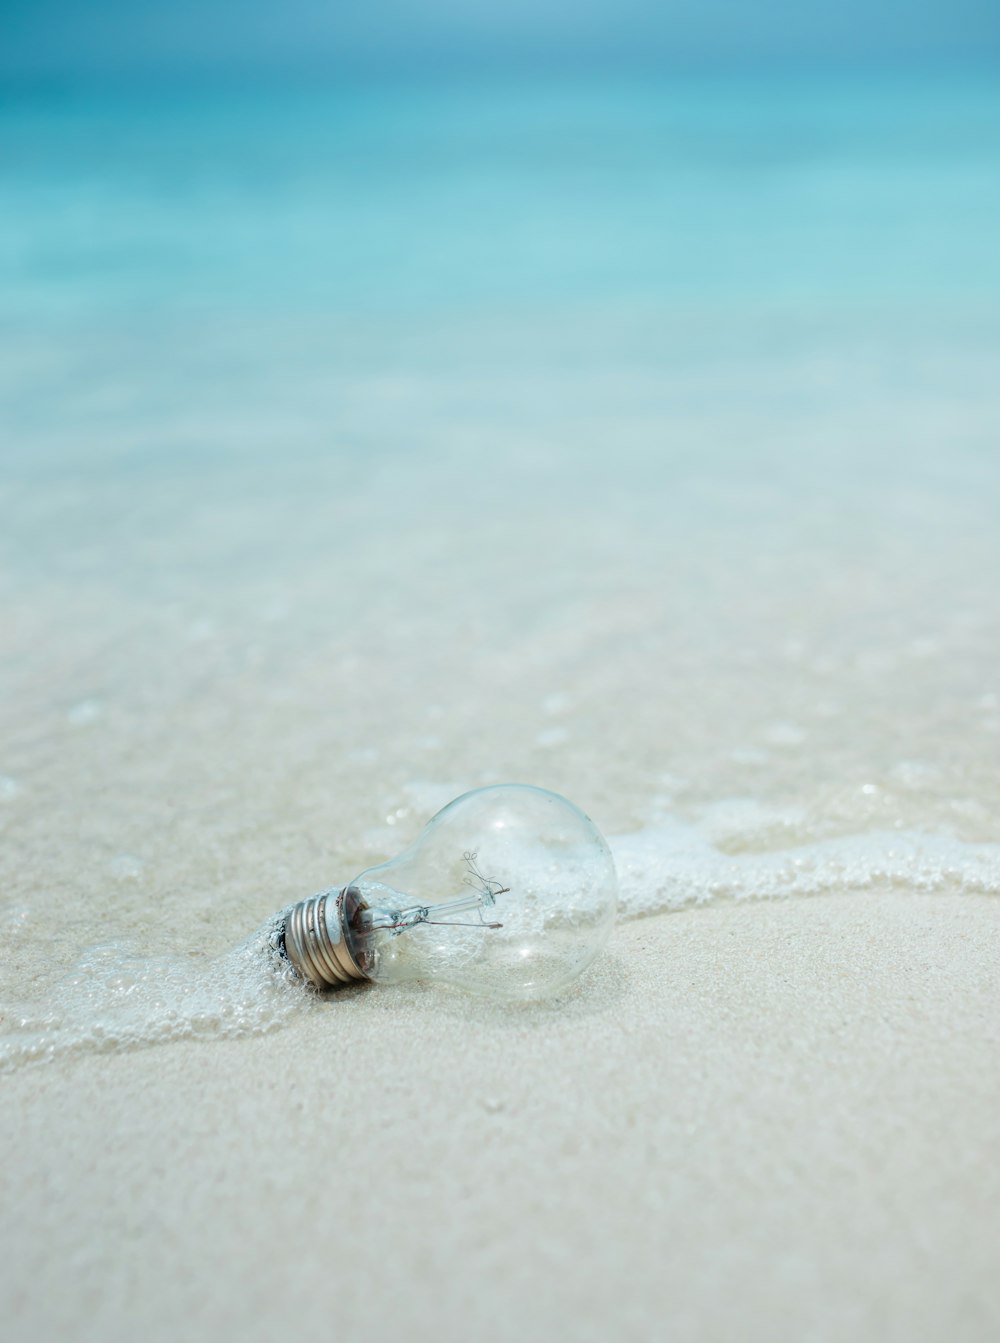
x=758 y=1121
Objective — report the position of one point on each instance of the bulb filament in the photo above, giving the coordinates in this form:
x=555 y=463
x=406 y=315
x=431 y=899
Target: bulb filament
x=484 y=896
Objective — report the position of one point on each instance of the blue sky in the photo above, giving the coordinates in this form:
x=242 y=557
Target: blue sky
x=122 y=37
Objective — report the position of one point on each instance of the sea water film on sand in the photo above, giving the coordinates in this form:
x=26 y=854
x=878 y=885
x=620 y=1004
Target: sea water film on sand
x=667 y=479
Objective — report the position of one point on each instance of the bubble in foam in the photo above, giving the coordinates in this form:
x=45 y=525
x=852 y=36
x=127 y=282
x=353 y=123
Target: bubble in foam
x=84 y=713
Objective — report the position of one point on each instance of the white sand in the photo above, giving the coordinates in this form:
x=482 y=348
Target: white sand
x=757 y=1121
x=768 y=1120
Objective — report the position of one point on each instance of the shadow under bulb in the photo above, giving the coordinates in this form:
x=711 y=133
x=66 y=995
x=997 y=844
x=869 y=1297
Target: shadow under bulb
x=508 y=892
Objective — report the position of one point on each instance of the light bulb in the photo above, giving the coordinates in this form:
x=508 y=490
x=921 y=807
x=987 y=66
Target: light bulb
x=508 y=892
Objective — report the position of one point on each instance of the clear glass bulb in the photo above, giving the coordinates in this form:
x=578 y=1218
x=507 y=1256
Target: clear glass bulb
x=508 y=892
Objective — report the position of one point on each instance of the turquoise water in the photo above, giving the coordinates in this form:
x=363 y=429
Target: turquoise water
x=419 y=199
x=360 y=446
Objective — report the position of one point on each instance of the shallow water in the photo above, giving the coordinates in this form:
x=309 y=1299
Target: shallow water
x=362 y=447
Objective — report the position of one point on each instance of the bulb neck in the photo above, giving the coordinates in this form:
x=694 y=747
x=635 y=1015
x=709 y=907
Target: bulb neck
x=316 y=940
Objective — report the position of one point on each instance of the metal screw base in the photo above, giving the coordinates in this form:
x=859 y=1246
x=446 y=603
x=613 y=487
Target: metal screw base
x=315 y=942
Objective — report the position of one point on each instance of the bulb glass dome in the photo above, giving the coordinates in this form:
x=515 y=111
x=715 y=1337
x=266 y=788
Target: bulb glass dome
x=508 y=892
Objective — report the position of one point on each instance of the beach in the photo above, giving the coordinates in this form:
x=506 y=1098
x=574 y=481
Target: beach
x=362 y=448
x=756 y=1121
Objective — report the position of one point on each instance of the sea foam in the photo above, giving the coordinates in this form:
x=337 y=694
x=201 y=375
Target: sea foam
x=117 y=996
x=672 y=865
